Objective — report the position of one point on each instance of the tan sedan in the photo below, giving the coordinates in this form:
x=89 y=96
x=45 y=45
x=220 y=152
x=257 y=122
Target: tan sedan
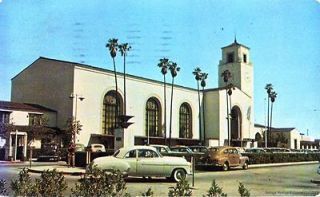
x=225 y=157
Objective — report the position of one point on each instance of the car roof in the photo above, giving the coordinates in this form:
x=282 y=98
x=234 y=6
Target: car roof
x=138 y=147
x=158 y=145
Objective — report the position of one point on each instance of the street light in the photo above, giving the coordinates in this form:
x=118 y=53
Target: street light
x=75 y=129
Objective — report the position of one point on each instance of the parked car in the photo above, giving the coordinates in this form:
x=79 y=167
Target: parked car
x=163 y=149
x=79 y=148
x=181 y=149
x=199 y=149
x=144 y=161
x=225 y=157
x=49 y=152
x=97 y=148
x=318 y=170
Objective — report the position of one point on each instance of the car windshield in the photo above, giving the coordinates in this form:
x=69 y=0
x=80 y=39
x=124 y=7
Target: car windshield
x=116 y=154
x=214 y=149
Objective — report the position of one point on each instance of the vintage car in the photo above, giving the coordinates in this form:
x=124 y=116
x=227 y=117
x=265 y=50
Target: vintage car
x=225 y=157
x=144 y=161
x=181 y=149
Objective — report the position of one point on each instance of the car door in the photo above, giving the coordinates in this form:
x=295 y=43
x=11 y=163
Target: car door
x=131 y=158
x=149 y=163
x=234 y=157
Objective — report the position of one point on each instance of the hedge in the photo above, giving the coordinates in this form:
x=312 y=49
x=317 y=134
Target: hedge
x=261 y=158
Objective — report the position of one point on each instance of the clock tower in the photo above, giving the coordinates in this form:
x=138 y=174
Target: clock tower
x=236 y=59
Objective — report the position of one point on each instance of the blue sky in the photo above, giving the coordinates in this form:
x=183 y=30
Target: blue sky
x=283 y=37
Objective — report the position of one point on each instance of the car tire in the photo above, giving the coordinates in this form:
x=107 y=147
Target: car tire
x=179 y=174
x=245 y=165
x=225 y=166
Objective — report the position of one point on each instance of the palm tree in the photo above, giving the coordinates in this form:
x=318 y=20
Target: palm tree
x=204 y=76
x=112 y=45
x=163 y=64
x=273 y=96
x=197 y=75
x=226 y=77
x=124 y=48
x=174 y=69
x=269 y=89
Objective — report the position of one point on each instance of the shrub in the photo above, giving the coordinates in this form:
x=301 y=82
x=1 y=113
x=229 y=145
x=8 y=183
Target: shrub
x=51 y=183
x=244 y=192
x=149 y=192
x=258 y=158
x=182 y=189
x=215 y=190
x=100 y=183
x=23 y=186
x=3 y=190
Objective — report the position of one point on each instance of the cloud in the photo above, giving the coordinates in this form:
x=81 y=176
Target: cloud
x=316 y=1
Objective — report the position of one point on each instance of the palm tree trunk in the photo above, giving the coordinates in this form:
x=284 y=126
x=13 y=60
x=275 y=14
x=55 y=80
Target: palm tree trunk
x=228 y=117
x=124 y=84
x=268 y=121
x=170 y=129
x=165 y=109
x=117 y=100
x=203 y=118
x=199 y=105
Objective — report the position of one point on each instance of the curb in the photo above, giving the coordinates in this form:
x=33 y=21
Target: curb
x=63 y=172
x=270 y=165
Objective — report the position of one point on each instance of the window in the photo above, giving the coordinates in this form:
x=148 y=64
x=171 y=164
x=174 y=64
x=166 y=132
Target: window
x=185 y=121
x=245 y=58
x=230 y=57
x=4 y=117
x=153 y=118
x=35 y=119
x=109 y=115
x=131 y=154
x=147 y=153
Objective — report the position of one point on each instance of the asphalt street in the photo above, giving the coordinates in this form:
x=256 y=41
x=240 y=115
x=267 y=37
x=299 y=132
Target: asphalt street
x=270 y=181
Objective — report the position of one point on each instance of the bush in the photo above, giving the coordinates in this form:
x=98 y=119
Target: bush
x=51 y=183
x=244 y=192
x=3 y=190
x=149 y=192
x=23 y=186
x=182 y=189
x=259 y=158
x=100 y=183
x=215 y=190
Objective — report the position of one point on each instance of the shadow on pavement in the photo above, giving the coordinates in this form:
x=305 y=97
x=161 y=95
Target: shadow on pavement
x=148 y=180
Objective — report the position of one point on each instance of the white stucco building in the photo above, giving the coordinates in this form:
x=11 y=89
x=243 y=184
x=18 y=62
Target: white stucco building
x=20 y=117
x=50 y=82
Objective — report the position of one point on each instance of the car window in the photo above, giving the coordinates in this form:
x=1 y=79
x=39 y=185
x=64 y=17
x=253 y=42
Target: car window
x=116 y=153
x=131 y=154
x=147 y=153
x=234 y=151
x=162 y=150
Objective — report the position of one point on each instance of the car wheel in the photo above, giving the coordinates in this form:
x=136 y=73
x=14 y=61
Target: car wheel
x=178 y=175
x=225 y=166
x=245 y=165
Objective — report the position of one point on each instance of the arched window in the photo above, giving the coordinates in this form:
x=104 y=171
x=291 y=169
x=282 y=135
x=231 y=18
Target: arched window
x=185 y=121
x=153 y=118
x=109 y=120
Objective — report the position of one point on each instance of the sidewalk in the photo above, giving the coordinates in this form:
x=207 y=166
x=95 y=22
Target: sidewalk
x=76 y=171
x=64 y=169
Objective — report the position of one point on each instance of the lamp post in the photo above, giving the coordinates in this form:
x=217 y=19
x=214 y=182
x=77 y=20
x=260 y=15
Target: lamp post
x=75 y=128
